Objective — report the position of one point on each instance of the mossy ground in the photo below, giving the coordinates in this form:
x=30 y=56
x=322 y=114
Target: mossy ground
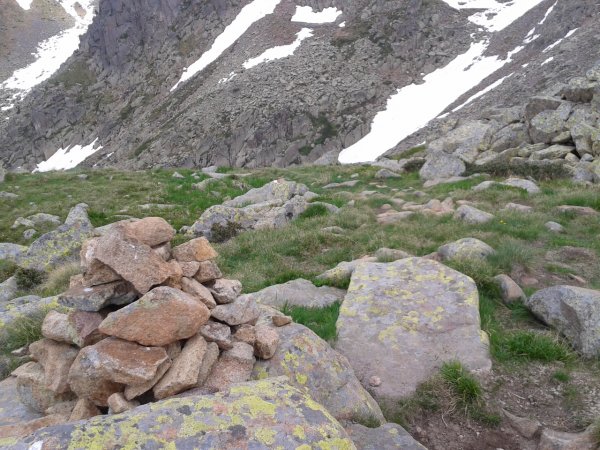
x=303 y=249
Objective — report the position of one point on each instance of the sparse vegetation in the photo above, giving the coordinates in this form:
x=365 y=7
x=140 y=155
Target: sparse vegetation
x=320 y=320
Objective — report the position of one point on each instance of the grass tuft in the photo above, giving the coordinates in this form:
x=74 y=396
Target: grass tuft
x=529 y=346
x=466 y=387
x=320 y=320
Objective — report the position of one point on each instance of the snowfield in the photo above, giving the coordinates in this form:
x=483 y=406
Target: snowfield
x=281 y=51
x=414 y=106
x=68 y=158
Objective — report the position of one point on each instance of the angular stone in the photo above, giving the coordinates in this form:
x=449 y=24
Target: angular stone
x=210 y=358
x=233 y=366
x=577 y=210
x=198 y=249
x=208 y=271
x=527 y=428
x=257 y=415
x=245 y=333
x=133 y=391
x=559 y=440
x=520 y=183
x=466 y=249
x=511 y=292
x=343 y=271
x=472 y=215
x=64 y=408
x=547 y=125
x=310 y=363
x=281 y=321
x=32 y=390
x=189 y=269
x=183 y=373
x=25 y=429
x=552 y=152
x=83 y=327
x=390 y=436
x=197 y=290
x=267 y=340
x=134 y=261
x=162 y=316
x=392 y=217
x=441 y=165
x=554 y=227
x=217 y=332
x=574 y=312
x=151 y=231
x=298 y=292
x=56 y=358
x=225 y=291
x=518 y=208
x=277 y=191
x=12 y=410
x=383 y=174
x=412 y=308
x=242 y=310
x=119 y=404
x=163 y=250
x=84 y=409
x=56 y=326
x=98 y=297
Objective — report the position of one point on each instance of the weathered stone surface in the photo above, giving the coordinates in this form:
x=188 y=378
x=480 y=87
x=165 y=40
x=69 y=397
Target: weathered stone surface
x=554 y=227
x=132 y=260
x=197 y=250
x=133 y=391
x=61 y=245
x=189 y=269
x=12 y=410
x=412 y=308
x=392 y=217
x=574 y=312
x=207 y=271
x=56 y=358
x=472 y=215
x=511 y=292
x=11 y=252
x=245 y=333
x=24 y=429
x=559 y=440
x=183 y=373
x=516 y=207
x=243 y=310
x=442 y=165
x=205 y=421
x=281 y=321
x=390 y=436
x=383 y=174
x=553 y=152
x=83 y=327
x=56 y=326
x=64 y=408
x=266 y=342
x=298 y=292
x=32 y=390
x=211 y=355
x=465 y=249
x=88 y=380
x=84 y=409
x=343 y=271
x=350 y=183
x=225 y=291
x=152 y=231
x=390 y=254
x=577 y=210
x=527 y=428
x=8 y=289
x=162 y=316
x=310 y=362
x=98 y=297
x=217 y=332
x=197 y=290
x=119 y=404
x=163 y=250
x=30 y=305
x=233 y=366
x=520 y=183
x=547 y=125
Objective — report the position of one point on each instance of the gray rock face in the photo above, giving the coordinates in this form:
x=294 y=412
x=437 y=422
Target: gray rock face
x=298 y=293
x=390 y=436
x=309 y=362
x=11 y=252
x=574 y=312
x=12 y=410
x=206 y=421
x=467 y=248
x=472 y=215
x=8 y=289
x=271 y=206
x=442 y=165
x=412 y=308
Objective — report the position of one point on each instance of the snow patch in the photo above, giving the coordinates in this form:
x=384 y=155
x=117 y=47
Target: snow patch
x=52 y=52
x=25 y=4
x=305 y=14
x=548 y=13
x=227 y=78
x=280 y=51
x=249 y=14
x=68 y=158
x=548 y=61
x=551 y=46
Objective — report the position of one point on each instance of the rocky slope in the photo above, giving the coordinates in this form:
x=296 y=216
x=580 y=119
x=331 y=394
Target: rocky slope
x=117 y=87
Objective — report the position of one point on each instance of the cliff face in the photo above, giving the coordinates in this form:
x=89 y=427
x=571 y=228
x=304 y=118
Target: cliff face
x=117 y=87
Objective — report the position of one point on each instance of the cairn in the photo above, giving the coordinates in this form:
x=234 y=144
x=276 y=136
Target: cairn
x=146 y=322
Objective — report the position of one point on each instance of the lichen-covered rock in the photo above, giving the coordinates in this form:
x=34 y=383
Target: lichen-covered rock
x=310 y=362
x=547 y=125
x=574 y=312
x=412 y=309
x=441 y=165
x=11 y=252
x=8 y=289
x=162 y=316
x=61 y=245
x=277 y=191
x=472 y=215
x=259 y=415
x=390 y=436
x=298 y=292
x=469 y=249
x=343 y=271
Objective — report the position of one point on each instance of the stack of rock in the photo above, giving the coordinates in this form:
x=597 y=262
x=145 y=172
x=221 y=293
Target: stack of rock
x=146 y=322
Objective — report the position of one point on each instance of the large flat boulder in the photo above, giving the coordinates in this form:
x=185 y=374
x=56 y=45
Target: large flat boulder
x=310 y=362
x=257 y=415
x=277 y=191
x=390 y=436
x=298 y=293
x=410 y=310
x=574 y=312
